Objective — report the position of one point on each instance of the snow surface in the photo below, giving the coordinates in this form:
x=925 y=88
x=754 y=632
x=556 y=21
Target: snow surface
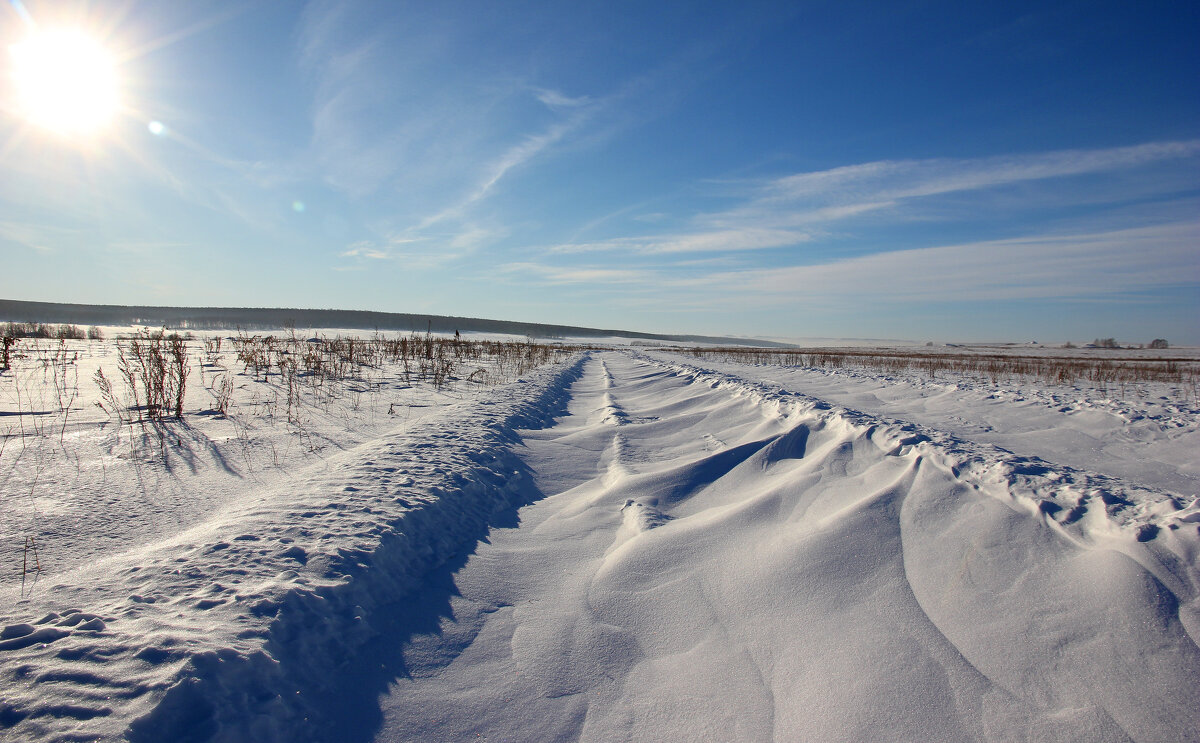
x=622 y=546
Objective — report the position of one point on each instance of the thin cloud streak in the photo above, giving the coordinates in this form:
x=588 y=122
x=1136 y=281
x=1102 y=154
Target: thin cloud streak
x=555 y=99
x=550 y=275
x=516 y=156
x=749 y=238
x=452 y=153
x=1047 y=266
x=33 y=236
x=903 y=179
x=787 y=211
x=450 y=147
x=1081 y=265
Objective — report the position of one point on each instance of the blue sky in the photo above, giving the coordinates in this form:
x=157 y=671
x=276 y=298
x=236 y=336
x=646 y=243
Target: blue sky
x=910 y=170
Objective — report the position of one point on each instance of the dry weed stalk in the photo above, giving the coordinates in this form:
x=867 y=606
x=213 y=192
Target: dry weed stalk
x=26 y=568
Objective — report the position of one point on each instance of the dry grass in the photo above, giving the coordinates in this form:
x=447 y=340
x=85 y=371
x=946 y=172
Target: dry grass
x=149 y=378
x=151 y=384
x=425 y=358
x=1107 y=372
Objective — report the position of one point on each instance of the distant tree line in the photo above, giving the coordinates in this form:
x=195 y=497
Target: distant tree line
x=65 y=332
x=260 y=318
x=1112 y=343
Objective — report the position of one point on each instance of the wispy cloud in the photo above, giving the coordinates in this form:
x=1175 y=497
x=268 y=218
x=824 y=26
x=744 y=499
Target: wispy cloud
x=399 y=119
x=800 y=208
x=731 y=240
x=148 y=247
x=891 y=180
x=527 y=149
x=580 y=275
x=1041 y=266
x=531 y=146
x=557 y=100
x=382 y=105
x=413 y=253
x=34 y=237
x=366 y=249
x=1100 y=266
x=400 y=116
x=904 y=189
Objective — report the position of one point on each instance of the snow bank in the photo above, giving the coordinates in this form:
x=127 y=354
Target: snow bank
x=230 y=629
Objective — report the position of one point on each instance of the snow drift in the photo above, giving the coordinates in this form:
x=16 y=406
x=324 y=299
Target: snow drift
x=721 y=560
x=637 y=548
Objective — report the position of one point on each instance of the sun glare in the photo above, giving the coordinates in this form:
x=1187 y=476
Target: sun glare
x=65 y=82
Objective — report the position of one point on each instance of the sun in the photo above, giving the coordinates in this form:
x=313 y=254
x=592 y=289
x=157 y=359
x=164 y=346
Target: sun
x=65 y=82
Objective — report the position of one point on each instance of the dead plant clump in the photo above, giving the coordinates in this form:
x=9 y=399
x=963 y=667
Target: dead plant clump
x=153 y=369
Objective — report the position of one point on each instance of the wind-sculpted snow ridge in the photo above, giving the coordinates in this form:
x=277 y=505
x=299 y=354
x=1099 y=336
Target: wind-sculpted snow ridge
x=1146 y=433
x=230 y=631
x=728 y=561
x=1097 y=506
x=1088 y=507
x=1100 y=598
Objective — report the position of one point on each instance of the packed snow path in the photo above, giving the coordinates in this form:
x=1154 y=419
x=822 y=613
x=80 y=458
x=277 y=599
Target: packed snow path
x=710 y=564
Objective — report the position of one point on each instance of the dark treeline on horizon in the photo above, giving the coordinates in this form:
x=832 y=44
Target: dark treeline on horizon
x=255 y=318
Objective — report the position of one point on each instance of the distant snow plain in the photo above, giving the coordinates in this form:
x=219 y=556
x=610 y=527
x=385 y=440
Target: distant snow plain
x=624 y=544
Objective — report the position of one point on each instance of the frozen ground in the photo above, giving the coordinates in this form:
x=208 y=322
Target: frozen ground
x=619 y=546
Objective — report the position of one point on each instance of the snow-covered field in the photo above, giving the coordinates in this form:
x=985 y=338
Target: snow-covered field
x=616 y=545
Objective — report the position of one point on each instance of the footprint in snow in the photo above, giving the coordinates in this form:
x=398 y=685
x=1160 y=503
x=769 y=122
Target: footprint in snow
x=642 y=516
x=712 y=443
